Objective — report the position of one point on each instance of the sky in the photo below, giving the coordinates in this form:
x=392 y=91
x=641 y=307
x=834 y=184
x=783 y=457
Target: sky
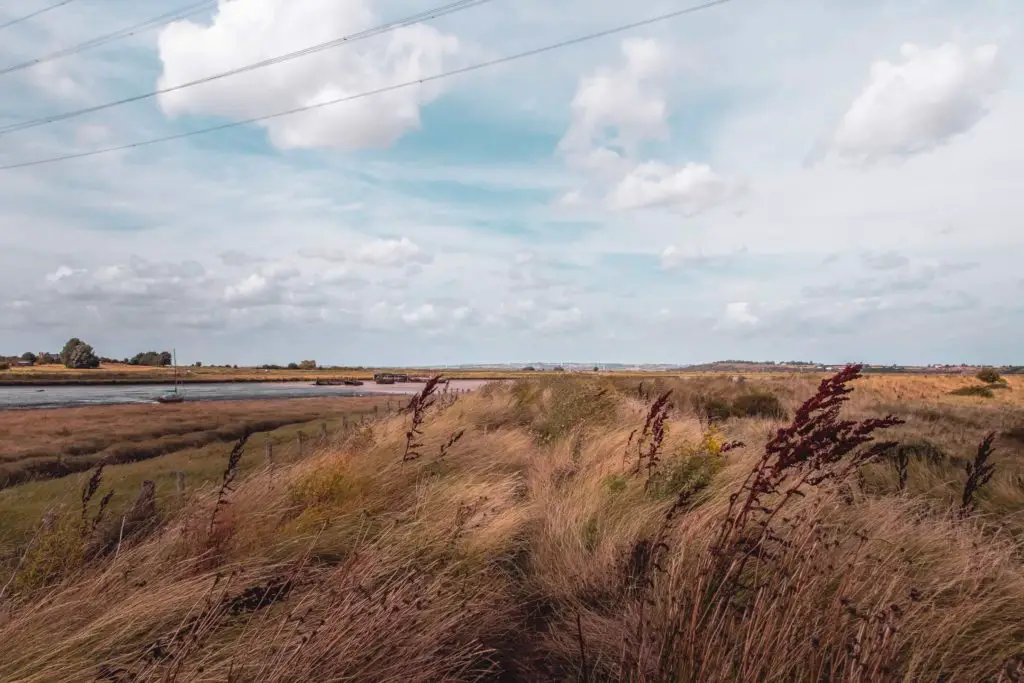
x=763 y=179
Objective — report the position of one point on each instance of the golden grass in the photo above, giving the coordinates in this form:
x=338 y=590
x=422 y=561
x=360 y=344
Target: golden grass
x=510 y=559
x=58 y=441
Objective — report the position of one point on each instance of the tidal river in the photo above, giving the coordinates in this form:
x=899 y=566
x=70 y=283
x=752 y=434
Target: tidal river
x=68 y=396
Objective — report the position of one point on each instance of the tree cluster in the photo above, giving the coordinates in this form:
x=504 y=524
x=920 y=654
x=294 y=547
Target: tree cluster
x=152 y=358
x=76 y=354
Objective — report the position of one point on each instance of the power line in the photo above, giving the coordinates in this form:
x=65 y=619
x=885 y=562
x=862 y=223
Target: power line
x=12 y=22
x=126 y=32
x=378 y=91
x=444 y=10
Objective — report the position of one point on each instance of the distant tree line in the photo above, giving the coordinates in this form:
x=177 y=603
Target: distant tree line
x=152 y=358
x=301 y=365
x=77 y=354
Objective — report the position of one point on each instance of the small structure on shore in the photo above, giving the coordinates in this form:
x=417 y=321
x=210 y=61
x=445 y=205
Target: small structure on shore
x=390 y=377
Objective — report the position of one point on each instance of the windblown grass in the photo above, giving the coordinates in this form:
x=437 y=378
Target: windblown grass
x=533 y=548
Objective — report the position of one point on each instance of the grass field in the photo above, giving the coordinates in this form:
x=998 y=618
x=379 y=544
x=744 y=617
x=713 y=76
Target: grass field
x=576 y=529
x=55 y=442
x=118 y=372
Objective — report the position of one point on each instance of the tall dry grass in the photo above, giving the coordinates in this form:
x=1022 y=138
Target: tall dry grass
x=532 y=548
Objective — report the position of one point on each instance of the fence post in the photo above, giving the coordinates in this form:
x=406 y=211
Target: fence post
x=300 y=441
x=268 y=451
x=323 y=431
x=179 y=481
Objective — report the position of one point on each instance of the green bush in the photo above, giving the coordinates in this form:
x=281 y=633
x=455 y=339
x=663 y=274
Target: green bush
x=761 y=404
x=691 y=473
x=757 y=404
x=989 y=376
x=713 y=409
x=920 y=449
x=691 y=468
x=983 y=392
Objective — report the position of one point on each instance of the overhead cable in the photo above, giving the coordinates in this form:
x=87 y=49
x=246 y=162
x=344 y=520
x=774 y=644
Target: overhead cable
x=126 y=32
x=377 y=91
x=26 y=17
x=444 y=10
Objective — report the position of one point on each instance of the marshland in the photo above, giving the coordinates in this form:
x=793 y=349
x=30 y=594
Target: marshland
x=587 y=528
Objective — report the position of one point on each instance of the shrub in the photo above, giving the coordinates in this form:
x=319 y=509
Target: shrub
x=307 y=365
x=691 y=469
x=30 y=357
x=293 y=366
x=712 y=409
x=761 y=404
x=4 y=365
x=757 y=404
x=983 y=392
x=989 y=376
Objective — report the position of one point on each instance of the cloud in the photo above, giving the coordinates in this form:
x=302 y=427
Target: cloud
x=620 y=107
x=392 y=252
x=737 y=314
x=63 y=273
x=888 y=260
x=919 y=103
x=247 y=31
x=251 y=289
x=558 y=320
x=898 y=275
x=136 y=281
x=674 y=258
x=433 y=318
x=475 y=177
x=691 y=188
x=233 y=257
x=614 y=111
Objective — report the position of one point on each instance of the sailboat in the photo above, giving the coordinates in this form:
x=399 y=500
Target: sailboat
x=176 y=395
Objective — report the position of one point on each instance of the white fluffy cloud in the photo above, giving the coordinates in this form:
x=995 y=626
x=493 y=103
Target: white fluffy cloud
x=614 y=111
x=919 y=103
x=621 y=107
x=691 y=188
x=247 y=31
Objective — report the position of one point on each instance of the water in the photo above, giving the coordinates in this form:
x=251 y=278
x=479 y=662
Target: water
x=66 y=396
